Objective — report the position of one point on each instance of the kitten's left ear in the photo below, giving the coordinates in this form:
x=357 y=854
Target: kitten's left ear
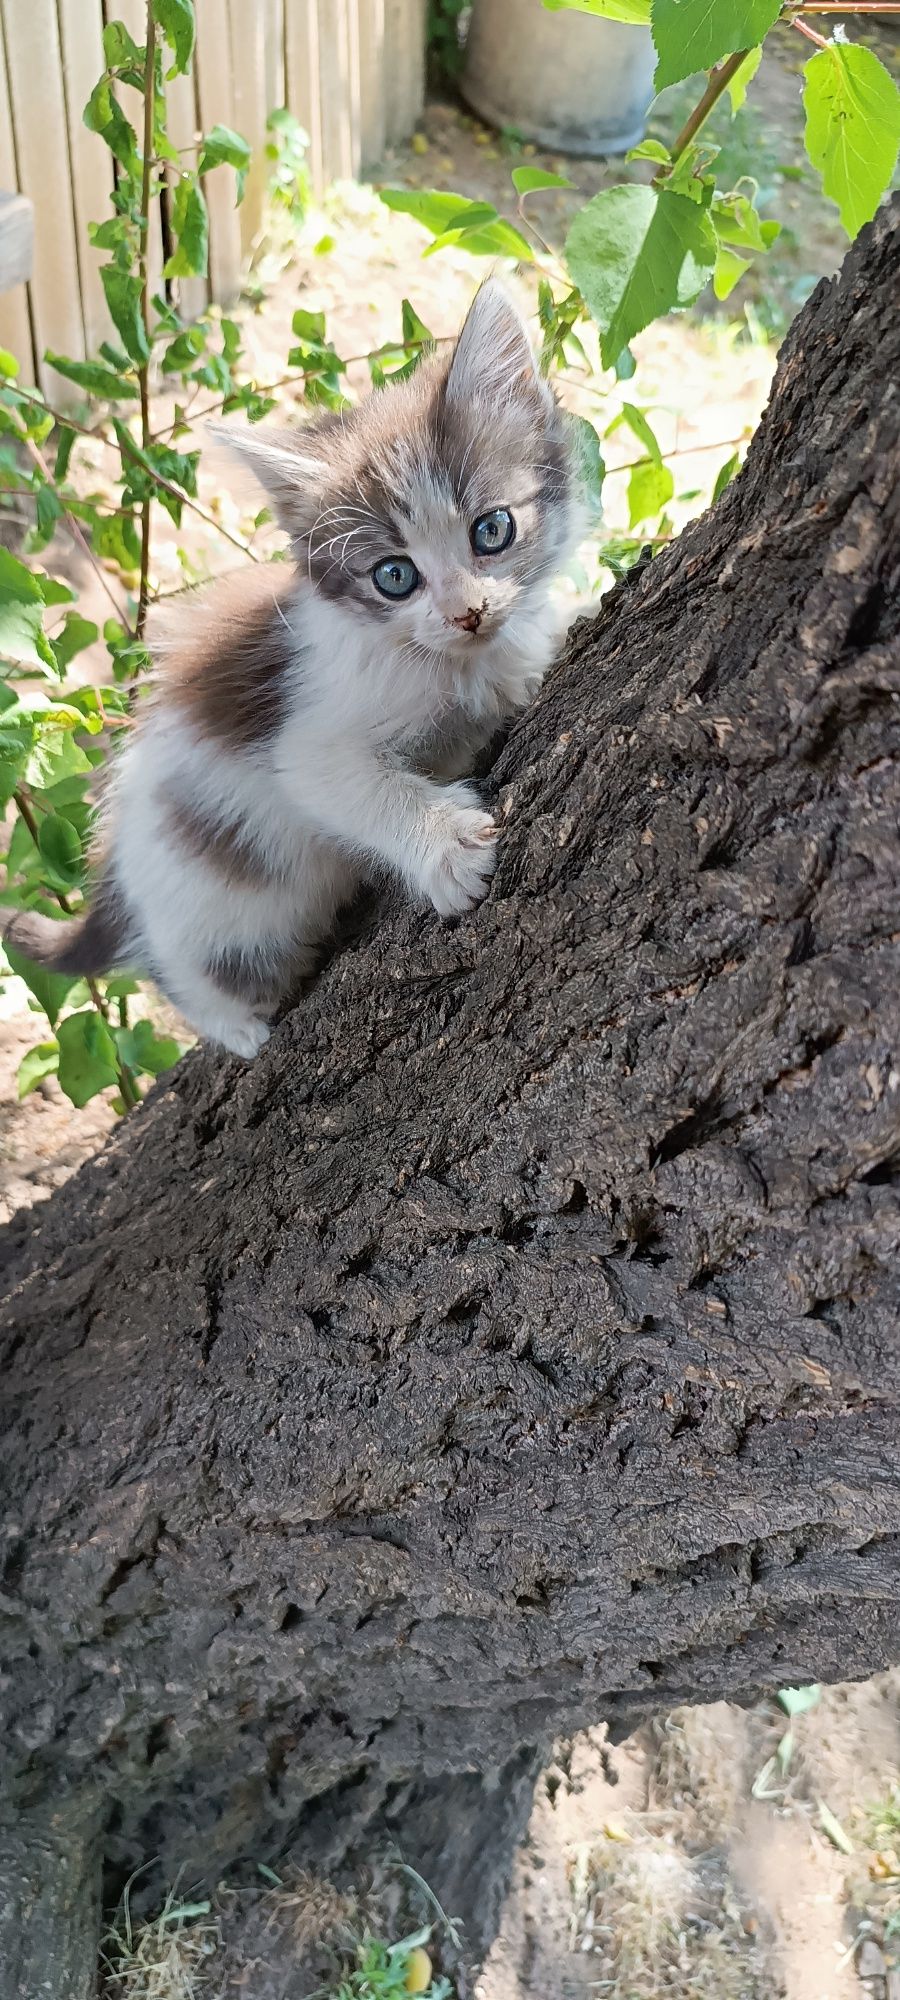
x=493 y=355
x=291 y=465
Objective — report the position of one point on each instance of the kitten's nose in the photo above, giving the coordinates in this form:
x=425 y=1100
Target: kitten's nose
x=471 y=619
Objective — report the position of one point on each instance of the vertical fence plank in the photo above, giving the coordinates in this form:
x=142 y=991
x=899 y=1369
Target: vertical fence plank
x=215 y=97
x=39 y=127
x=339 y=89
x=301 y=61
x=184 y=126
x=81 y=43
x=404 y=65
x=273 y=46
x=247 y=28
x=371 y=81
x=15 y=322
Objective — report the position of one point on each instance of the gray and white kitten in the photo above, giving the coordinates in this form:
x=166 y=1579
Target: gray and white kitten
x=311 y=723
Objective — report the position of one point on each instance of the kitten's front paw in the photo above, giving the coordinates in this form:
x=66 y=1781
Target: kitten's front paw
x=245 y=1039
x=463 y=859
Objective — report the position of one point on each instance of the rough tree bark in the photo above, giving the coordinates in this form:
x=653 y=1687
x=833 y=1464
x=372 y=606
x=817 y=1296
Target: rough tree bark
x=515 y=1343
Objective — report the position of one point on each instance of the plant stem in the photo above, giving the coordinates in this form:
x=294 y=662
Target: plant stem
x=144 y=370
x=719 y=79
x=127 y=1085
x=810 y=33
x=72 y=524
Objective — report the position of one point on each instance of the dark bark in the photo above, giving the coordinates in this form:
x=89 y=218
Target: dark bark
x=515 y=1343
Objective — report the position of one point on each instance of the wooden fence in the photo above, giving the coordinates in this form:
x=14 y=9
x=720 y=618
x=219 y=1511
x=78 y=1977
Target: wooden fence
x=351 y=71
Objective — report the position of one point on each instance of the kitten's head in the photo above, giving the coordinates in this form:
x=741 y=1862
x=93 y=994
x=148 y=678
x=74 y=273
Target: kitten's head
x=440 y=505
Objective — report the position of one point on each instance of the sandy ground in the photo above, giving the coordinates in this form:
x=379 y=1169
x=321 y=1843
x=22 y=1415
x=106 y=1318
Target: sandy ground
x=683 y=1863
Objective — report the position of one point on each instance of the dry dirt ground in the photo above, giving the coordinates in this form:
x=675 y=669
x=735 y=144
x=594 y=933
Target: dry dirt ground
x=696 y=1861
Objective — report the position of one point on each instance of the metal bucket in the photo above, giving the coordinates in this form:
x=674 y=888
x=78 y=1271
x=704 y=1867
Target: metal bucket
x=574 y=83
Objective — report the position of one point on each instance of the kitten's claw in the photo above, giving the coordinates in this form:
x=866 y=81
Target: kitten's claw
x=463 y=862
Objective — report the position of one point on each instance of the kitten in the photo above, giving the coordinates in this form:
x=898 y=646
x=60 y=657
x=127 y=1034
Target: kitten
x=311 y=724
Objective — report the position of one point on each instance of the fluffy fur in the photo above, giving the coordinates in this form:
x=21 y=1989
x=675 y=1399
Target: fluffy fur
x=307 y=731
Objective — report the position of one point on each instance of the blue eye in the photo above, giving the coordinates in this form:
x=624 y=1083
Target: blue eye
x=396 y=577
x=493 y=532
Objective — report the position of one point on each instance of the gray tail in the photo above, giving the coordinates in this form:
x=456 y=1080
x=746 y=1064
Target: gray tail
x=92 y=944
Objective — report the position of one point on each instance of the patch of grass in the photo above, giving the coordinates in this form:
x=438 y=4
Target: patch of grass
x=660 y=1925
x=884 y=1819
x=168 y=1958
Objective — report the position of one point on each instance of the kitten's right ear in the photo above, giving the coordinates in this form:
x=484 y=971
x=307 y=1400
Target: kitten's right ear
x=289 y=464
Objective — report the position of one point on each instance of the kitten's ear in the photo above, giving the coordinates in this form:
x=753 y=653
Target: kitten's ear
x=493 y=355
x=290 y=464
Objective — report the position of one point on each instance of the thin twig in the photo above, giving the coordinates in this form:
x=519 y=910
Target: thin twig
x=75 y=530
x=810 y=33
x=130 y=1093
x=683 y=451
x=144 y=370
x=719 y=79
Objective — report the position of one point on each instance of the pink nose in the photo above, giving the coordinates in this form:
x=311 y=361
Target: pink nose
x=470 y=620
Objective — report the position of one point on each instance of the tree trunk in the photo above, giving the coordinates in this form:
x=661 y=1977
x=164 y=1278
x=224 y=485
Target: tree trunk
x=515 y=1343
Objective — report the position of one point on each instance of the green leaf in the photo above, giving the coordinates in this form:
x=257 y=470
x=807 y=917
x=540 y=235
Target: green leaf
x=725 y=475
x=739 y=84
x=692 y=35
x=52 y=588
x=87 y=1056
x=641 y=429
x=414 y=328
x=736 y=221
x=60 y=850
x=123 y=297
x=38 y=1063
x=114 y=538
x=141 y=1048
x=49 y=988
x=120 y=48
x=77 y=632
x=9 y=366
x=531 y=180
x=635 y=12
x=832 y=1826
x=798 y=1701
x=222 y=147
x=650 y=487
x=22 y=636
x=852 y=132
x=48 y=509
x=444 y=215
x=176 y=19
x=589 y=457
x=90 y=375
x=309 y=326
x=104 y=114
x=729 y=270
x=651 y=149
x=64 y=446
x=190 y=222
x=634 y=253
x=55 y=755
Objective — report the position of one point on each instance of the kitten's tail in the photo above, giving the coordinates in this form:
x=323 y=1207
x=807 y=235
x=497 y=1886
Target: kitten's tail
x=92 y=944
